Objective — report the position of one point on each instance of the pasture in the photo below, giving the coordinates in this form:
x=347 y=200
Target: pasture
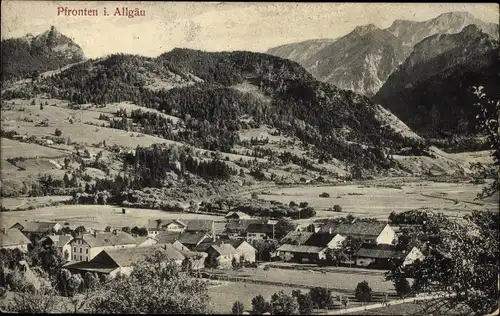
x=96 y=216
x=378 y=200
x=224 y=295
x=334 y=280
x=13 y=148
x=23 y=203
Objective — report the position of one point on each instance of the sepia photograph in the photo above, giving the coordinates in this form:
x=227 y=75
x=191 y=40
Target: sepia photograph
x=246 y=158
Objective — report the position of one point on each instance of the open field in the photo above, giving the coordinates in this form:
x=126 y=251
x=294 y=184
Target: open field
x=23 y=203
x=334 y=280
x=13 y=148
x=23 y=118
x=95 y=216
x=223 y=296
x=379 y=200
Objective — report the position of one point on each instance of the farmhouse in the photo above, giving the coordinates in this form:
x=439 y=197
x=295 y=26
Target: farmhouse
x=197 y=258
x=237 y=215
x=238 y=227
x=61 y=242
x=13 y=238
x=200 y=226
x=369 y=232
x=301 y=253
x=192 y=240
x=223 y=253
x=376 y=255
x=145 y=241
x=37 y=227
x=245 y=250
x=166 y=237
x=413 y=255
x=260 y=232
x=324 y=240
x=113 y=261
x=296 y=238
x=155 y=226
x=87 y=246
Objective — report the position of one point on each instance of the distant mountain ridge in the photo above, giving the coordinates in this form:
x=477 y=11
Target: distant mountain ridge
x=364 y=65
x=47 y=51
x=431 y=90
x=412 y=32
x=360 y=61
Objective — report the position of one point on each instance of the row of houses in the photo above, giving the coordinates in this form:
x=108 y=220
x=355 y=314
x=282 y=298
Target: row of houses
x=107 y=252
x=232 y=240
x=377 y=246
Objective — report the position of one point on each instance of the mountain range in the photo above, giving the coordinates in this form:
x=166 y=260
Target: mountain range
x=432 y=90
x=50 y=50
x=363 y=59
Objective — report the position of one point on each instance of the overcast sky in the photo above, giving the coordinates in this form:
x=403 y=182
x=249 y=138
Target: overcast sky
x=213 y=26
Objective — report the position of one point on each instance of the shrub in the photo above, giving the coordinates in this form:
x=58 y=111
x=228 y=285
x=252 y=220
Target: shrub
x=337 y=208
x=324 y=195
x=363 y=292
x=402 y=286
x=284 y=304
x=260 y=306
x=305 y=302
x=321 y=297
x=238 y=308
x=303 y=204
x=293 y=204
x=58 y=132
x=254 y=196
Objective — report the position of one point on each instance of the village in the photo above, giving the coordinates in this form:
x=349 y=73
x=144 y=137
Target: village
x=220 y=250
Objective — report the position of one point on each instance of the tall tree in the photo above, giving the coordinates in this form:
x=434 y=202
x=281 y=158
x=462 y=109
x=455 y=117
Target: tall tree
x=463 y=263
x=488 y=124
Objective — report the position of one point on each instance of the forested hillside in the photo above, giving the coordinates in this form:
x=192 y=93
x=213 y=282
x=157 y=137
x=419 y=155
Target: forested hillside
x=201 y=91
x=432 y=90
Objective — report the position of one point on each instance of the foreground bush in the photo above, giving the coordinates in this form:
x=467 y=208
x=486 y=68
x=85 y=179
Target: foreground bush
x=363 y=292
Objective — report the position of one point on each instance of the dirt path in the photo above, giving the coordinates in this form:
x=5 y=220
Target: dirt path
x=380 y=305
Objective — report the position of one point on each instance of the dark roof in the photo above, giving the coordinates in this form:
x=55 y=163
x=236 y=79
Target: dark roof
x=58 y=240
x=38 y=227
x=242 y=224
x=90 y=266
x=166 y=237
x=191 y=239
x=260 y=228
x=126 y=257
x=207 y=243
x=300 y=248
x=319 y=239
x=199 y=225
x=358 y=228
x=109 y=239
x=235 y=242
x=296 y=238
x=13 y=237
x=380 y=251
x=237 y=214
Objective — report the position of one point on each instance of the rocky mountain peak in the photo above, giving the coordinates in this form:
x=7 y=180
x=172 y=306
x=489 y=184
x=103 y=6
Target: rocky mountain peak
x=49 y=50
x=456 y=16
x=363 y=30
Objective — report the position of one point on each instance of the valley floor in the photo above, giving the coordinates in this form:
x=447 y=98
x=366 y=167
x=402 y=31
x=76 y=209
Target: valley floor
x=373 y=199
